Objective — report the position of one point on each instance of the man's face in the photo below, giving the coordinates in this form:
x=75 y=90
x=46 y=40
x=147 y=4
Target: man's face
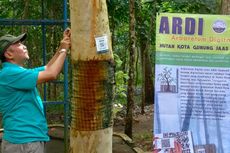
x=19 y=52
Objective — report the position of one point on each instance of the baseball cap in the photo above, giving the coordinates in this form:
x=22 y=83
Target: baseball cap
x=7 y=40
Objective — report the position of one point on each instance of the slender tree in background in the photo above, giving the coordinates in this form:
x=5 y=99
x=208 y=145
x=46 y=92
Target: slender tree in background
x=25 y=14
x=145 y=35
x=132 y=49
x=225 y=7
x=93 y=78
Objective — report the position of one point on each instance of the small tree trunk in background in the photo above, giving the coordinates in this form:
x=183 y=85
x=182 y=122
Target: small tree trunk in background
x=132 y=47
x=93 y=79
x=143 y=98
x=148 y=78
x=149 y=87
x=143 y=43
x=146 y=65
x=225 y=7
x=25 y=14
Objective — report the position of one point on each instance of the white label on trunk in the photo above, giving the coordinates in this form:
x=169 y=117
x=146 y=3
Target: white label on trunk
x=102 y=44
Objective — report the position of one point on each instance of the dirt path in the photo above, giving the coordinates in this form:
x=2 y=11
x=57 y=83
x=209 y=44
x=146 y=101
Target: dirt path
x=142 y=129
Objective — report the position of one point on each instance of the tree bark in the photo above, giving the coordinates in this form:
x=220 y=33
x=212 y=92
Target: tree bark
x=143 y=60
x=93 y=78
x=148 y=79
x=25 y=14
x=132 y=48
x=143 y=43
x=146 y=65
x=225 y=7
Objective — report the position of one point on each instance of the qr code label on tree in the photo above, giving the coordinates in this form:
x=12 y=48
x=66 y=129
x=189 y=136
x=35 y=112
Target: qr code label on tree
x=102 y=44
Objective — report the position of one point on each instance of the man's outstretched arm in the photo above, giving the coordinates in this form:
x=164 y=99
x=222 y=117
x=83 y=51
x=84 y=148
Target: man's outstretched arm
x=54 y=66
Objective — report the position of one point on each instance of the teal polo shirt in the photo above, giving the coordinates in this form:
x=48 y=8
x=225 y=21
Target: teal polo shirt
x=21 y=106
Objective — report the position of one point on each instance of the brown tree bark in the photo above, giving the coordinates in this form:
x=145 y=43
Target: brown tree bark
x=149 y=87
x=25 y=13
x=132 y=50
x=225 y=7
x=146 y=65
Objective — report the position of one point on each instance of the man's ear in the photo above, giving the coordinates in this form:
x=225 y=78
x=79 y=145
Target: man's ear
x=8 y=55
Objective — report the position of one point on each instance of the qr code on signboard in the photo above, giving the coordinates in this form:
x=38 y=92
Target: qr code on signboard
x=186 y=151
x=165 y=143
x=183 y=138
x=202 y=150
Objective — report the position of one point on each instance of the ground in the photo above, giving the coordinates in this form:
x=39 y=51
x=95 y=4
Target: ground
x=142 y=127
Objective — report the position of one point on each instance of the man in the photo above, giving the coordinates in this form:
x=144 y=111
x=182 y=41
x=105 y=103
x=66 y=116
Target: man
x=24 y=123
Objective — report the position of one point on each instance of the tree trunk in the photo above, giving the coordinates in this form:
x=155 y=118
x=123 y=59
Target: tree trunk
x=93 y=78
x=147 y=73
x=137 y=68
x=143 y=43
x=143 y=59
x=225 y=7
x=130 y=96
x=25 y=13
x=148 y=78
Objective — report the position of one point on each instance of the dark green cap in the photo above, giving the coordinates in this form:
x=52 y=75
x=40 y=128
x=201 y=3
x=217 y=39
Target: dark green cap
x=7 y=40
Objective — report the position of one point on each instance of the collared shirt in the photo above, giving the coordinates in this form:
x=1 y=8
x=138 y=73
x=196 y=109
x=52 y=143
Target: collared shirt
x=21 y=106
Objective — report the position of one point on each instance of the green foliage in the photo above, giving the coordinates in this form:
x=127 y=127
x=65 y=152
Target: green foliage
x=119 y=25
x=188 y=6
x=118 y=11
x=120 y=78
x=144 y=16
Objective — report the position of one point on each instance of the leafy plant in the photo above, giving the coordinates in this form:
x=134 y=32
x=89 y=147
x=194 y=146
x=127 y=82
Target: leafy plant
x=120 y=77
